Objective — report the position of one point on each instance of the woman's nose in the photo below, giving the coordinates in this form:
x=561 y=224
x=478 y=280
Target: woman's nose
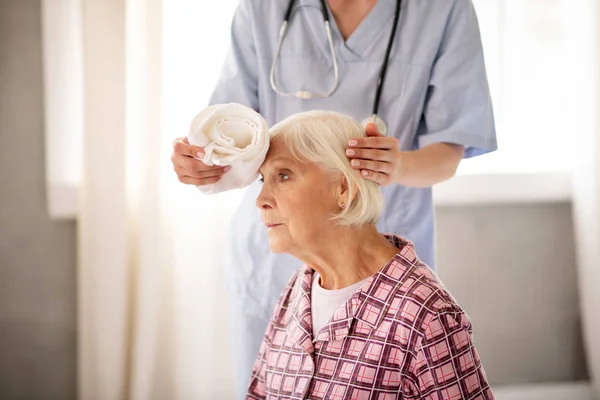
x=264 y=200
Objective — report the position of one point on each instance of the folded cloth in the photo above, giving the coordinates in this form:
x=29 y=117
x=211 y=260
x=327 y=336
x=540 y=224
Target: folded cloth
x=231 y=134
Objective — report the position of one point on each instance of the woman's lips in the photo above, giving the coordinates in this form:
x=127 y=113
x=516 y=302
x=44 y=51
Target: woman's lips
x=272 y=226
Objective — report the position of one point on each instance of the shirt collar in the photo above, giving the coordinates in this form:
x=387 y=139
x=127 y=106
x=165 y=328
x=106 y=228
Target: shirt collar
x=369 y=304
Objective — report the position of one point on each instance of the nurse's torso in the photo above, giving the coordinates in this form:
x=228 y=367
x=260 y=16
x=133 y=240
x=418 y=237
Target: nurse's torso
x=305 y=63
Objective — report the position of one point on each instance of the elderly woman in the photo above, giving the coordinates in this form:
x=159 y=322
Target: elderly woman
x=364 y=318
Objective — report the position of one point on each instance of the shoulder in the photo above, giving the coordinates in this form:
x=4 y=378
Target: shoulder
x=423 y=314
x=444 y=12
x=263 y=8
x=445 y=4
x=442 y=7
x=423 y=287
x=259 y=20
x=419 y=298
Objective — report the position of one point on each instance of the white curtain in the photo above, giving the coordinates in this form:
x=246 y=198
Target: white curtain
x=152 y=307
x=584 y=81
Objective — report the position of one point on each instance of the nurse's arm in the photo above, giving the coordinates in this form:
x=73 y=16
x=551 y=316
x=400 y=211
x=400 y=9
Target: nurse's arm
x=429 y=165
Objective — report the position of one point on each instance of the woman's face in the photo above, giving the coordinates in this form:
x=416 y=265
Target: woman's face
x=297 y=202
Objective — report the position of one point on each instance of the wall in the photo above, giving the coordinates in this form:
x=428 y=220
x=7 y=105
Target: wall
x=37 y=255
x=512 y=268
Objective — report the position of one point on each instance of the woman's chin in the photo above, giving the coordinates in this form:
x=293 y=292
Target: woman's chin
x=278 y=246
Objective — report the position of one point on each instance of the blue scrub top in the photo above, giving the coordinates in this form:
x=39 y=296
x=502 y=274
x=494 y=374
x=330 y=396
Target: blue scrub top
x=436 y=90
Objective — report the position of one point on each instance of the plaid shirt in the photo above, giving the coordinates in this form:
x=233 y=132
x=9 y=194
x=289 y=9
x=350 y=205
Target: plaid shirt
x=400 y=336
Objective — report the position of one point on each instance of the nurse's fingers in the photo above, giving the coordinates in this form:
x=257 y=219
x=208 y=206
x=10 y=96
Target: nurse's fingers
x=370 y=154
x=205 y=174
x=379 y=142
x=199 y=182
x=375 y=166
x=183 y=147
x=377 y=177
x=191 y=165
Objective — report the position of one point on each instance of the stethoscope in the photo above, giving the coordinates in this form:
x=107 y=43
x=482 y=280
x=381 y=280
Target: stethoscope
x=305 y=94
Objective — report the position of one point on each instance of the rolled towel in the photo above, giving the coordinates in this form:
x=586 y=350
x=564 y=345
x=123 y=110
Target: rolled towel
x=231 y=134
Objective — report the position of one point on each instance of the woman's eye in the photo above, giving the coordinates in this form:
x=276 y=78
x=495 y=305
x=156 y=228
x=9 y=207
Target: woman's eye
x=261 y=179
x=283 y=177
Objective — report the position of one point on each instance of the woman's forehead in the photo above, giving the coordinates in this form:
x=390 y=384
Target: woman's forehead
x=278 y=152
x=280 y=156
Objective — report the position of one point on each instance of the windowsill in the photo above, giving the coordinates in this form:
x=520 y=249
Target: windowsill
x=462 y=190
x=546 y=187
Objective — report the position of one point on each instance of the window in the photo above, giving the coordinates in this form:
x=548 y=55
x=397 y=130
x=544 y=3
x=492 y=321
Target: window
x=526 y=51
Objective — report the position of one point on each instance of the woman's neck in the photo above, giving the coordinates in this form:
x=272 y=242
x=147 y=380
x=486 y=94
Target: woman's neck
x=345 y=255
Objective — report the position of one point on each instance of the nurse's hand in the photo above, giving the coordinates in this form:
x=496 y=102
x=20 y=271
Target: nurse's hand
x=377 y=157
x=189 y=169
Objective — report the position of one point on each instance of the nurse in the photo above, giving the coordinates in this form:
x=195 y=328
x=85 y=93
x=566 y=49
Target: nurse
x=415 y=67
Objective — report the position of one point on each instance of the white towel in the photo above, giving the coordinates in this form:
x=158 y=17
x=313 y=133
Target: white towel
x=231 y=134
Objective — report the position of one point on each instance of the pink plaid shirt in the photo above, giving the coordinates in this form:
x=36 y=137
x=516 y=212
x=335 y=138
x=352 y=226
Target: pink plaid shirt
x=400 y=336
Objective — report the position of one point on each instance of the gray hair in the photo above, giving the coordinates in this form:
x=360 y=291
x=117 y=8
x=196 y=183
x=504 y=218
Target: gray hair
x=321 y=137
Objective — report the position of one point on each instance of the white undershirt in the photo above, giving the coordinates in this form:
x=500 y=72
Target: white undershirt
x=324 y=303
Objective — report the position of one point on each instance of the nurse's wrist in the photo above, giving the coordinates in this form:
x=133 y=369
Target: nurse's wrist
x=402 y=168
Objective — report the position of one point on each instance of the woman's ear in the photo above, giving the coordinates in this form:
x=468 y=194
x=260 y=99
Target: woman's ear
x=345 y=192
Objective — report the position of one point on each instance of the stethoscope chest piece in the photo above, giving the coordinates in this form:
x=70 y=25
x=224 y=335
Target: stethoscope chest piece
x=379 y=123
